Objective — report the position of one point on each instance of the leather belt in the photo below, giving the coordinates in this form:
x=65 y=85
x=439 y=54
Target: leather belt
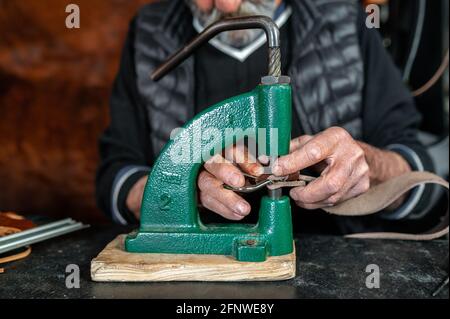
x=373 y=201
x=11 y=223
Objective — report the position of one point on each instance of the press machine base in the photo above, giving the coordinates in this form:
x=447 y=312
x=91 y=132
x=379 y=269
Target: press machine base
x=114 y=264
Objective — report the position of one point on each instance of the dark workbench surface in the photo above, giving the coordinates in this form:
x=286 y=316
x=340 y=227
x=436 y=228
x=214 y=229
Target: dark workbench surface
x=327 y=267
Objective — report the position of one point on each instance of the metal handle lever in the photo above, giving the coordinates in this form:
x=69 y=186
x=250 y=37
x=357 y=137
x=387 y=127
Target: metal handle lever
x=241 y=23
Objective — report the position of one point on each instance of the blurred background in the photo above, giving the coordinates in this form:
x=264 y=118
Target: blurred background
x=55 y=85
x=54 y=89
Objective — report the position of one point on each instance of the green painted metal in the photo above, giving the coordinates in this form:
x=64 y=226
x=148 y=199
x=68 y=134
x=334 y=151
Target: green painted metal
x=170 y=221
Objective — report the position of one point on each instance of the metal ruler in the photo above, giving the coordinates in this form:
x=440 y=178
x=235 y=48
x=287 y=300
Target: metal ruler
x=38 y=234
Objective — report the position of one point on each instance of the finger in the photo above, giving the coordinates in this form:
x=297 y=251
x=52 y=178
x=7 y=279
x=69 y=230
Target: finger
x=298 y=142
x=225 y=171
x=350 y=190
x=358 y=183
x=240 y=155
x=355 y=191
x=335 y=181
x=210 y=185
x=314 y=151
x=360 y=188
x=264 y=159
x=207 y=181
x=340 y=197
x=214 y=205
x=311 y=206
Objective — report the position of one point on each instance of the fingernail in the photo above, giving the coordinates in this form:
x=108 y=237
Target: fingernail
x=293 y=194
x=259 y=170
x=263 y=159
x=241 y=208
x=235 y=180
x=277 y=169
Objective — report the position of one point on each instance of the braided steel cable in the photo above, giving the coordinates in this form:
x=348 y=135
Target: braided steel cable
x=274 y=62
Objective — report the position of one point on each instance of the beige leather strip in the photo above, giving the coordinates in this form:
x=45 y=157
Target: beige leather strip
x=294 y=180
x=400 y=236
x=279 y=185
x=381 y=196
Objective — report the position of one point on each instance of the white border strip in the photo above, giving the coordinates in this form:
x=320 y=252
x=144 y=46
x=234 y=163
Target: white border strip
x=406 y=209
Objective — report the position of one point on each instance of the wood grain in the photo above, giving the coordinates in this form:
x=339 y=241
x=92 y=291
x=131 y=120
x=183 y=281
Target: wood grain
x=115 y=264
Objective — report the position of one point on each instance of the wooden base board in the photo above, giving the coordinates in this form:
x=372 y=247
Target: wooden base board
x=115 y=264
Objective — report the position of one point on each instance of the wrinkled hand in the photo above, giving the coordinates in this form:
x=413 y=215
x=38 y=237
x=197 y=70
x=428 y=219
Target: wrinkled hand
x=134 y=198
x=218 y=171
x=345 y=172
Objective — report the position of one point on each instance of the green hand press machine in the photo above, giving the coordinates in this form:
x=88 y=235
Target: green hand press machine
x=172 y=243
x=170 y=221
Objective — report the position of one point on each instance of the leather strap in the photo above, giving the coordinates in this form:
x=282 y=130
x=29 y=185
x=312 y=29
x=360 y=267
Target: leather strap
x=11 y=223
x=4 y=231
x=299 y=180
x=380 y=197
x=14 y=257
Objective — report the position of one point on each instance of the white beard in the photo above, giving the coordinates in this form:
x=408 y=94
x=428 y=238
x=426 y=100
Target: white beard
x=238 y=38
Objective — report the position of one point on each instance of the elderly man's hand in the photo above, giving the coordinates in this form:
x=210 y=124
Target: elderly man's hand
x=218 y=171
x=345 y=172
x=134 y=198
